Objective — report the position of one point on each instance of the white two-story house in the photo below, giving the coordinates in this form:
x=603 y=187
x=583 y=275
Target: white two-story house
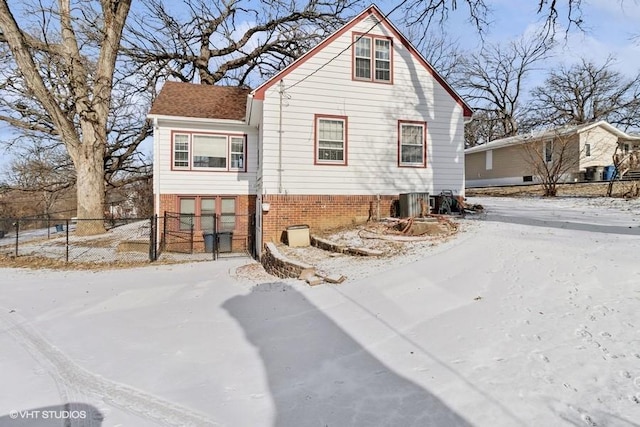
x=331 y=140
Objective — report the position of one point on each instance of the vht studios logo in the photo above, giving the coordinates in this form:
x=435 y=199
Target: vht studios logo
x=47 y=415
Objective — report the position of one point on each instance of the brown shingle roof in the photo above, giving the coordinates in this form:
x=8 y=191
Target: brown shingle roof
x=201 y=101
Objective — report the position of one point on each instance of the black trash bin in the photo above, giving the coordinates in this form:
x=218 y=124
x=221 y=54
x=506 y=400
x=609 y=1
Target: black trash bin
x=209 y=241
x=225 y=239
x=59 y=228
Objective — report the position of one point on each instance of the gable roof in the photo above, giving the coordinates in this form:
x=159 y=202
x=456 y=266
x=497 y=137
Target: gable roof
x=549 y=133
x=200 y=101
x=259 y=92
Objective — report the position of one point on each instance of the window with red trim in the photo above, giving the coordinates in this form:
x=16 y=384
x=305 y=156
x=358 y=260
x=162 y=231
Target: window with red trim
x=218 y=152
x=412 y=144
x=331 y=140
x=372 y=58
x=198 y=212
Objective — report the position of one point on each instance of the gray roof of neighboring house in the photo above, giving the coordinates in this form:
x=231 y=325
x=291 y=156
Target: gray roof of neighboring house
x=548 y=133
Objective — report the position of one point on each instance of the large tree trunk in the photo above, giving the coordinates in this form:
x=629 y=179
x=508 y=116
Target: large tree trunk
x=90 y=187
x=89 y=87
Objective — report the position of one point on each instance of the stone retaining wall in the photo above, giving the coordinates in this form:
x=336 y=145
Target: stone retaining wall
x=279 y=265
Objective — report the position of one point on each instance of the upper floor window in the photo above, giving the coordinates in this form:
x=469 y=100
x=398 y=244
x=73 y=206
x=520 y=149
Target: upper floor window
x=331 y=140
x=372 y=58
x=587 y=150
x=209 y=151
x=412 y=144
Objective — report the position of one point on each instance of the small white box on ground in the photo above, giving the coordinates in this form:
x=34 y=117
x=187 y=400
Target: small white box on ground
x=298 y=236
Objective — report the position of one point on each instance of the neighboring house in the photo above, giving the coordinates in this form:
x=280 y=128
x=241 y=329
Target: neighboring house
x=331 y=140
x=588 y=149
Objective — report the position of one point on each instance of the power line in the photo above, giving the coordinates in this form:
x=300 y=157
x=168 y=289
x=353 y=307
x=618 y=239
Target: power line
x=385 y=18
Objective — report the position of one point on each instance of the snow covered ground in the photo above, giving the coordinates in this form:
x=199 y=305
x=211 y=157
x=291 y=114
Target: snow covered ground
x=528 y=317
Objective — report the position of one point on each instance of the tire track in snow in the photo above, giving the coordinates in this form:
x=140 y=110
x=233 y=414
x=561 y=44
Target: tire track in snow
x=75 y=383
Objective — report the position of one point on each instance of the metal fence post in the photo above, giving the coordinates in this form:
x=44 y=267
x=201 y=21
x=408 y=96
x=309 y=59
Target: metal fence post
x=191 y=239
x=163 y=239
x=214 y=249
x=152 y=239
x=17 y=225
x=67 y=243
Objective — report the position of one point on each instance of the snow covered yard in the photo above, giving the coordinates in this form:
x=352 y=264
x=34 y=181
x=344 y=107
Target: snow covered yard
x=528 y=317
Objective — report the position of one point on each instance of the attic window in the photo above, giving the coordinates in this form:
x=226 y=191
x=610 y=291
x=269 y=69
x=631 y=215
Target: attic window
x=372 y=58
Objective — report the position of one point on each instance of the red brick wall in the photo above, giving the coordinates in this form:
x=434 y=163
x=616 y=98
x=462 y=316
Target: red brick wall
x=245 y=212
x=319 y=212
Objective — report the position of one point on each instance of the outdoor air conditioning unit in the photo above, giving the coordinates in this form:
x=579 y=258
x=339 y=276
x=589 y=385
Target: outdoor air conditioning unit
x=414 y=204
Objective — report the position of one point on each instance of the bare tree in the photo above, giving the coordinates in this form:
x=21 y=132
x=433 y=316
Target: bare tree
x=44 y=172
x=550 y=161
x=559 y=156
x=67 y=63
x=485 y=127
x=442 y=52
x=494 y=78
x=422 y=13
x=584 y=93
x=233 y=41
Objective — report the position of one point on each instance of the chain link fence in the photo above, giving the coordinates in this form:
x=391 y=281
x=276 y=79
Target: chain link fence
x=170 y=238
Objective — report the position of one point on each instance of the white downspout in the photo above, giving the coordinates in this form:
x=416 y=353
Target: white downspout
x=281 y=92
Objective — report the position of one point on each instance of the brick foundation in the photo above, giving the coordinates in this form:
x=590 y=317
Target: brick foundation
x=242 y=234
x=320 y=212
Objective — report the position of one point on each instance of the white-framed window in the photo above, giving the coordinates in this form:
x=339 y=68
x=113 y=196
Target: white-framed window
x=331 y=140
x=362 y=65
x=237 y=153
x=180 y=151
x=383 y=60
x=412 y=143
x=587 y=150
x=210 y=151
x=216 y=152
x=372 y=58
x=548 y=151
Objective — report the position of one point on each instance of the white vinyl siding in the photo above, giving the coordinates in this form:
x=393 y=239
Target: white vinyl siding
x=169 y=179
x=373 y=112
